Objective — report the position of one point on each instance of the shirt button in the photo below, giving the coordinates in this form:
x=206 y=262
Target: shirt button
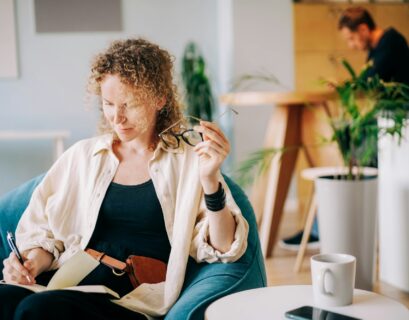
x=98 y=195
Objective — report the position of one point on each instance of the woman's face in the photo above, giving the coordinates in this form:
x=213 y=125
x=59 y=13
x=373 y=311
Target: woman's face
x=129 y=115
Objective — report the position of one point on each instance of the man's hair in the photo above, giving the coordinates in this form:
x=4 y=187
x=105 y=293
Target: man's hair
x=352 y=17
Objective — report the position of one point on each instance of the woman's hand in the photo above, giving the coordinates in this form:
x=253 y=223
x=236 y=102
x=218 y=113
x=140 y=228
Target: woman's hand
x=36 y=261
x=212 y=152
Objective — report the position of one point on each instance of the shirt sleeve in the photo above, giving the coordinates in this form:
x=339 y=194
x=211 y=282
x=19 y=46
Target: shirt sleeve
x=33 y=229
x=201 y=250
x=388 y=56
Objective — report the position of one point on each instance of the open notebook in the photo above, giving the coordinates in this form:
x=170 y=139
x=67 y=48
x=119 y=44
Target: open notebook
x=70 y=274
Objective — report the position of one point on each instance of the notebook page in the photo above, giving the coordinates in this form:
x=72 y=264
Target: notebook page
x=73 y=271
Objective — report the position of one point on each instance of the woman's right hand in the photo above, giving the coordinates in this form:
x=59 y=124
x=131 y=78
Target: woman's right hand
x=36 y=261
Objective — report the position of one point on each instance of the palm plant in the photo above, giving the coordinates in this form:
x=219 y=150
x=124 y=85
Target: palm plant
x=198 y=92
x=362 y=101
x=356 y=132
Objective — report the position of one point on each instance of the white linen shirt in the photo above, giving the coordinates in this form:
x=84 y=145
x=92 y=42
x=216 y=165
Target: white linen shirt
x=63 y=211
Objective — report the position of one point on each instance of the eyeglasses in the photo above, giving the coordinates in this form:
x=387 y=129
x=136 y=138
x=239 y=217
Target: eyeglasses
x=172 y=139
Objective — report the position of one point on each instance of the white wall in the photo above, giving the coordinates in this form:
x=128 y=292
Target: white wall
x=263 y=43
x=49 y=94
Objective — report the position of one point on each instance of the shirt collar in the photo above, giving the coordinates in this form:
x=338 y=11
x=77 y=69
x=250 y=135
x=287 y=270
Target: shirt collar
x=105 y=143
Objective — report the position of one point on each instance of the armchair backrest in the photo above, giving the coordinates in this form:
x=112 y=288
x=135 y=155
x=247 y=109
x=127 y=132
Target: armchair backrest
x=12 y=206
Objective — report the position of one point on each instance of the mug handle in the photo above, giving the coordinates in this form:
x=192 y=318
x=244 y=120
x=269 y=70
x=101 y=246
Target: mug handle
x=321 y=281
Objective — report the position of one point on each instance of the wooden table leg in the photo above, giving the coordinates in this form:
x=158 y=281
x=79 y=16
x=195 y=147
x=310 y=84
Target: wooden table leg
x=307 y=231
x=285 y=132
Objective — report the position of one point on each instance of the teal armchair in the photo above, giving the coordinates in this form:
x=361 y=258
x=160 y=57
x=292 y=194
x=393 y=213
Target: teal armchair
x=204 y=283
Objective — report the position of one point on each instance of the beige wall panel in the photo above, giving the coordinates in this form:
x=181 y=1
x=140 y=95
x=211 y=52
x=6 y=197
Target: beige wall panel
x=393 y=15
x=313 y=27
x=315 y=66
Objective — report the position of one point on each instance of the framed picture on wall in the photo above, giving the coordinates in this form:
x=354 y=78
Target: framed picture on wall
x=8 y=46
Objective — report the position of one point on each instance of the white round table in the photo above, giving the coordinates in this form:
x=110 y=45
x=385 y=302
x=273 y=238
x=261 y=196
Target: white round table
x=272 y=302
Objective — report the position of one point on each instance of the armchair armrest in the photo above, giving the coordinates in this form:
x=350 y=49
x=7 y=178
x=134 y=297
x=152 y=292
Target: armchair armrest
x=206 y=283
x=12 y=206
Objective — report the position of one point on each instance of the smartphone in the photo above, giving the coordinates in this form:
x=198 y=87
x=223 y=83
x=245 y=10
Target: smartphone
x=312 y=313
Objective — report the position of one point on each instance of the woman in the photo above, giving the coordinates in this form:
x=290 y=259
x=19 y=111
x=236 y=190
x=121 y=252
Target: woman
x=128 y=191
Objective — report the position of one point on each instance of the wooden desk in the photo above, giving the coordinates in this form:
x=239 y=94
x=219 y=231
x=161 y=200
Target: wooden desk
x=299 y=118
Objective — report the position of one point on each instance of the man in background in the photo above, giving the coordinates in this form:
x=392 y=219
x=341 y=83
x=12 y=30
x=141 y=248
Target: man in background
x=387 y=49
x=388 y=52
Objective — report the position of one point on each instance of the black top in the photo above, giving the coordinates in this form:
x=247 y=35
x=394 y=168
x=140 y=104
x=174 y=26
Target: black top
x=390 y=58
x=130 y=221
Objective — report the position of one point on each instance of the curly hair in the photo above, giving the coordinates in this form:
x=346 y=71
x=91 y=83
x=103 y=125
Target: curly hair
x=145 y=67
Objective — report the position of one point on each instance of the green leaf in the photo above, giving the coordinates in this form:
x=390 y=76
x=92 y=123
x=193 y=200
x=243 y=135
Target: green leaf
x=256 y=164
x=198 y=93
x=349 y=69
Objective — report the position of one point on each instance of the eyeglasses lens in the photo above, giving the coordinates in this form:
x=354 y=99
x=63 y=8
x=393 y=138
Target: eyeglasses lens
x=193 y=137
x=170 y=140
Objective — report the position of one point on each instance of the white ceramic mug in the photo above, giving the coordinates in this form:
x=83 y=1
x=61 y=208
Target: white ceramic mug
x=333 y=279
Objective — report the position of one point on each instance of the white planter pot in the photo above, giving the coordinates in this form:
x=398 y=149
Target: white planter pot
x=393 y=161
x=347 y=213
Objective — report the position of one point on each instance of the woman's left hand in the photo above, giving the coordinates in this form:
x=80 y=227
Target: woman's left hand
x=212 y=152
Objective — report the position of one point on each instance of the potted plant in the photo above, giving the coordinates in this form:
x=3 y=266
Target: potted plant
x=347 y=200
x=198 y=93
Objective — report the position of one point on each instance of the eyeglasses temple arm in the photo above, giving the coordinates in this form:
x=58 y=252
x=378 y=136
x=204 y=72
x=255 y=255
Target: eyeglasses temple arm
x=171 y=126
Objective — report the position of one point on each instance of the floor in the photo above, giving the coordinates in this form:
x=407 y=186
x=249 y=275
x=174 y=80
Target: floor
x=280 y=266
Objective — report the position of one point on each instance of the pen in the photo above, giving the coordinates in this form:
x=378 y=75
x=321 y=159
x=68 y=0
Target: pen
x=13 y=247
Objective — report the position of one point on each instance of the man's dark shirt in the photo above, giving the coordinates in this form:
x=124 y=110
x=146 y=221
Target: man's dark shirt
x=390 y=58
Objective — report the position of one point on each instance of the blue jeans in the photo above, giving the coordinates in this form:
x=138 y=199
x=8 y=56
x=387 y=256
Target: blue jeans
x=314 y=230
